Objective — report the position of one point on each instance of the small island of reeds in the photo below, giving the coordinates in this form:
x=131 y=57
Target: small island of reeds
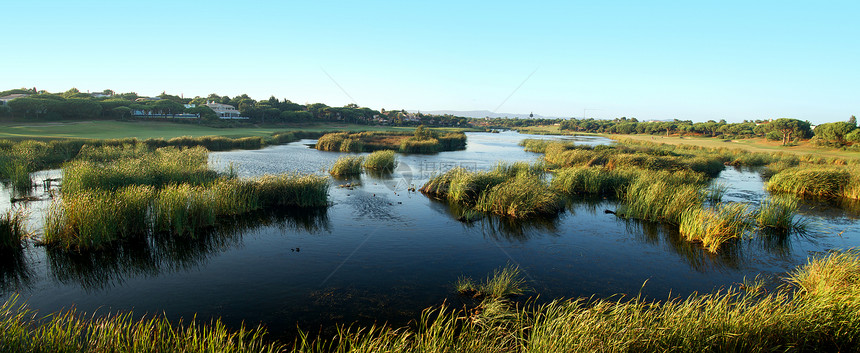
x=422 y=140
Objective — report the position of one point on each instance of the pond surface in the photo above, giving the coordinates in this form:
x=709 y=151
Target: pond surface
x=381 y=253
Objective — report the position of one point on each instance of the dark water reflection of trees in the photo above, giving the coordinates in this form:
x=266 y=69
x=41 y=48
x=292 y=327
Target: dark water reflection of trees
x=158 y=254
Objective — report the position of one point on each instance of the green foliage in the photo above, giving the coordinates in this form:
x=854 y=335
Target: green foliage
x=347 y=165
x=715 y=226
x=13 y=229
x=25 y=331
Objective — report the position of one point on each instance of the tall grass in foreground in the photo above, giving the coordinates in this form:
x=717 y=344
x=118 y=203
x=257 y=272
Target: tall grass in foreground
x=21 y=330
x=346 y=165
x=817 y=310
x=13 y=228
x=380 y=161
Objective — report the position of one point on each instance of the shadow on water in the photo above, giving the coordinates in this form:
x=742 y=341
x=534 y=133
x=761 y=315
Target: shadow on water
x=495 y=227
x=14 y=272
x=151 y=256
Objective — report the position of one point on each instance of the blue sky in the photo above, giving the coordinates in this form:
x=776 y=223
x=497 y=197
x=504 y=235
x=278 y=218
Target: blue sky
x=696 y=60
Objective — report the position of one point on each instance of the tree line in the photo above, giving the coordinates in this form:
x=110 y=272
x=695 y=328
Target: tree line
x=76 y=105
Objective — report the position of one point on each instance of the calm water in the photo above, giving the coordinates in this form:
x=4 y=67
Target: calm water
x=383 y=253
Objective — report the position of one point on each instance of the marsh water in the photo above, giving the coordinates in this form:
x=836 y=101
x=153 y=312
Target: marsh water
x=382 y=253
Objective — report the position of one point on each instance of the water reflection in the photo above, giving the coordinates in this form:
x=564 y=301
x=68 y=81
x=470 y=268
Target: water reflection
x=14 y=272
x=103 y=269
x=699 y=259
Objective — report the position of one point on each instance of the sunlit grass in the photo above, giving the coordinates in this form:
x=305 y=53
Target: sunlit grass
x=13 y=228
x=380 y=161
x=347 y=165
x=779 y=212
x=715 y=226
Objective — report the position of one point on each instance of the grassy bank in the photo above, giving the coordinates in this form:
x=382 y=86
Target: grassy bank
x=815 y=309
x=116 y=193
x=419 y=141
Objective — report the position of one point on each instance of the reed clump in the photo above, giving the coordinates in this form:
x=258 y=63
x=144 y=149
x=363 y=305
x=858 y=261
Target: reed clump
x=537 y=145
x=502 y=283
x=715 y=226
x=520 y=197
x=380 y=161
x=158 y=168
x=292 y=190
x=13 y=228
x=92 y=218
x=817 y=310
x=657 y=199
x=346 y=166
x=423 y=140
x=512 y=190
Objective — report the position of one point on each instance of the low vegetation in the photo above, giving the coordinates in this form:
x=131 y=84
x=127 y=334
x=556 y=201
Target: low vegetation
x=422 y=140
x=672 y=184
x=383 y=161
x=167 y=190
x=13 y=229
x=512 y=190
x=779 y=213
x=815 y=310
x=826 y=182
x=21 y=330
x=715 y=226
x=504 y=282
x=347 y=166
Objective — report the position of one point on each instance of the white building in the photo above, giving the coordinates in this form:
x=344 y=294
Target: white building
x=6 y=99
x=224 y=111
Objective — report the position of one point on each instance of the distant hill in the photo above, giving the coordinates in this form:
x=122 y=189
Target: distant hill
x=481 y=114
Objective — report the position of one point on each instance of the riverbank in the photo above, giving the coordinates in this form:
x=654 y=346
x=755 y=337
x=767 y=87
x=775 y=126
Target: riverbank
x=113 y=129
x=803 y=148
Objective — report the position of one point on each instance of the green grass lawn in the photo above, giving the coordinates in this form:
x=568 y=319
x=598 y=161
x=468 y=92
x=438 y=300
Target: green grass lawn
x=108 y=129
